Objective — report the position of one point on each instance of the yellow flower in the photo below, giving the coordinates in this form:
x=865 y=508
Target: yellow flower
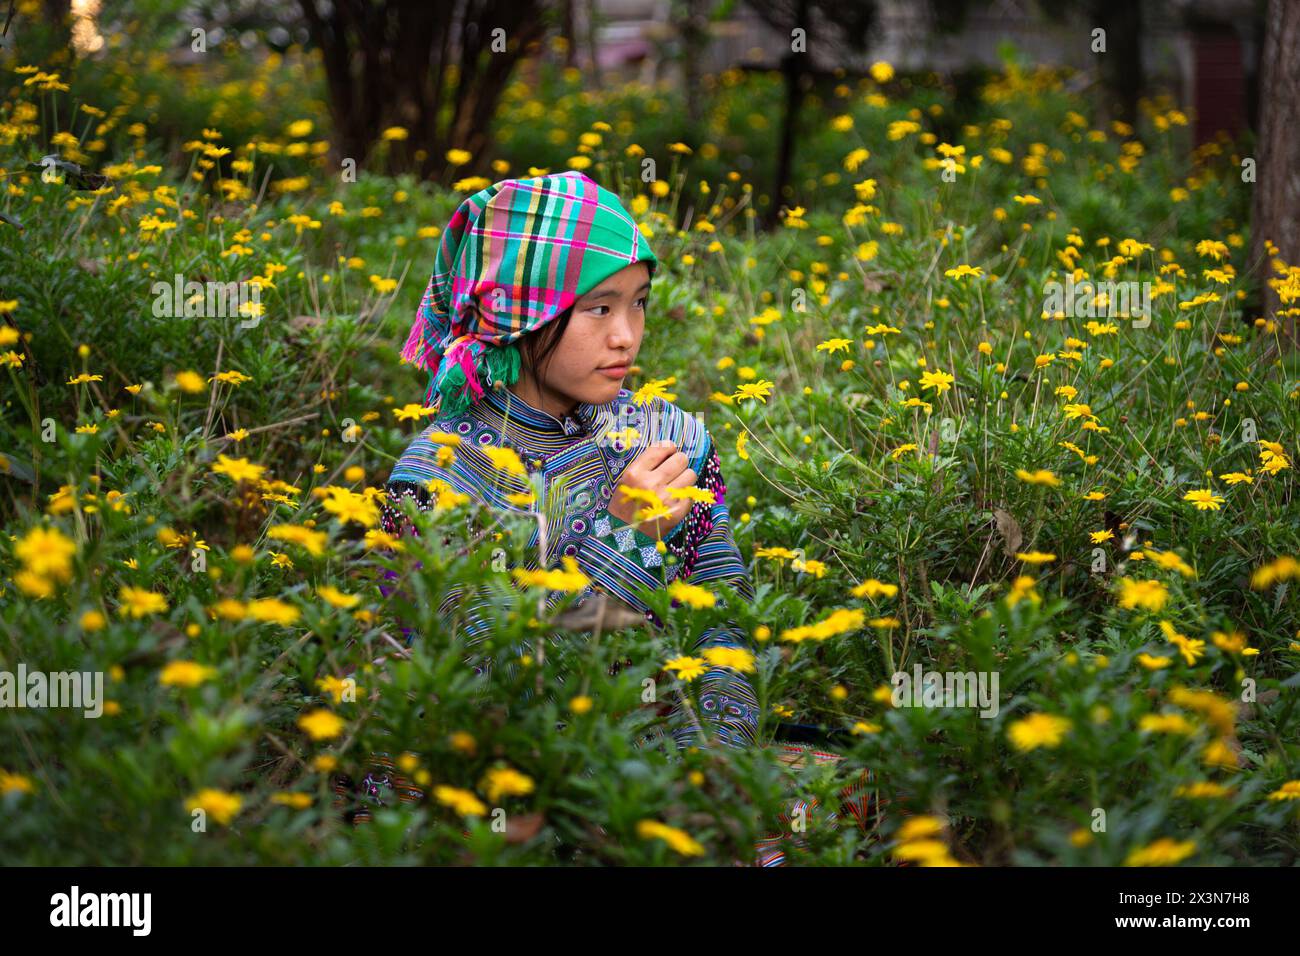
x=1219 y=712
x=412 y=411
x=963 y=270
x=463 y=802
x=218 y=804
x=1038 y=730
x=295 y=801
x=336 y=598
x=1204 y=499
x=33 y=585
x=185 y=674
x=321 y=724
x=1035 y=557
x=463 y=742
x=14 y=782
x=687 y=668
x=506 y=782
x=839 y=621
x=1165 y=724
x=1233 y=643
x=191 y=382
x=312 y=541
x=139 y=603
x=871 y=588
x=1282 y=568
x=570 y=581
x=1219 y=753
x=679 y=840
x=1169 y=561
x=655 y=388
x=736 y=658
x=237 y=469
x=48 y=552
x=1148 y=594
x=581 y=704
x=881 y=72
x=835 y=345
x=940 y=381
x=1162 y=852
x=702 y=495
x=348 y=506
x=1202 y=789
x=1039 y=477
x=505 y=459
x=691 y=595
x=1288 y=791
x=1152 y=662
x=273 y=611
x=759 y=390
x=1192 y=650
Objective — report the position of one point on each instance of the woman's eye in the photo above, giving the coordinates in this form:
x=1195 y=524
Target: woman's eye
x=640 y=303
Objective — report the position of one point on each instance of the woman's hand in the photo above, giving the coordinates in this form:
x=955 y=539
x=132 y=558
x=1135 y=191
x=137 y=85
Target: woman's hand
x=659 y=467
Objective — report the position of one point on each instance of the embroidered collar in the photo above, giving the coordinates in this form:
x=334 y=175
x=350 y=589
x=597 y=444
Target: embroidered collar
x=534 y=430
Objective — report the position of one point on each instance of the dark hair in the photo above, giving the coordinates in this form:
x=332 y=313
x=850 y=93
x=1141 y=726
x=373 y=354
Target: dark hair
x=536 y=347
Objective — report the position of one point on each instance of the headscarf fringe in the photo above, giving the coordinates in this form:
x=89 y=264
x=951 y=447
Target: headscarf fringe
x=416 y=350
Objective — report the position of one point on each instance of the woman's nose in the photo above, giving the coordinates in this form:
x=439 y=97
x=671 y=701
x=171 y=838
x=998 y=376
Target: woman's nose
x=621 y=333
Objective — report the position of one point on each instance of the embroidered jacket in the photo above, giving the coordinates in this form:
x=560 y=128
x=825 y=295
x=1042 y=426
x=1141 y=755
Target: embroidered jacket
x=580 y=459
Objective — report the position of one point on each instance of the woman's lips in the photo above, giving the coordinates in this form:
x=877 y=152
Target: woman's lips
x=616 y=371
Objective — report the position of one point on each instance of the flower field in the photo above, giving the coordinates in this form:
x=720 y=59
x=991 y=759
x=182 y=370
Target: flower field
x=931 y=463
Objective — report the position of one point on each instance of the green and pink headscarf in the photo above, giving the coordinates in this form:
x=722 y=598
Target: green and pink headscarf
x=524 y=250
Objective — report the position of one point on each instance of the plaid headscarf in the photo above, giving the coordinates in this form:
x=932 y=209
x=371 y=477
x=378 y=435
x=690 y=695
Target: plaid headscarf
x=524 y=250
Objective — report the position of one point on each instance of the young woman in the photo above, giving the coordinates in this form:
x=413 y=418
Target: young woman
x=535 y=311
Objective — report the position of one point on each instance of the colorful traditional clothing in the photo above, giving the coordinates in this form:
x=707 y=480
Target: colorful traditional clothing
x=579 y=465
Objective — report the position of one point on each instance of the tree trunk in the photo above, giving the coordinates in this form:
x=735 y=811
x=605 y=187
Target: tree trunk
x=387 y=64
x=694 y=33
x=1121 y=64
x=792 y=68
x=1276 y=208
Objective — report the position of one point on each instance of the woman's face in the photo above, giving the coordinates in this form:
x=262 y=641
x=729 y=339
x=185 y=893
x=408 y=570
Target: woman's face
x=604 y=330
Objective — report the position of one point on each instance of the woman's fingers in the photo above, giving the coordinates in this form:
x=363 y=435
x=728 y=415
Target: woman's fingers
x=673 y=464
x=654 y=455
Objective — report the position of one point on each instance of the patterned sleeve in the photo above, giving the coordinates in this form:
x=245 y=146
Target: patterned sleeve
x=394 y=521
x=621 y=559
x=709 y=558
x=616 y=557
